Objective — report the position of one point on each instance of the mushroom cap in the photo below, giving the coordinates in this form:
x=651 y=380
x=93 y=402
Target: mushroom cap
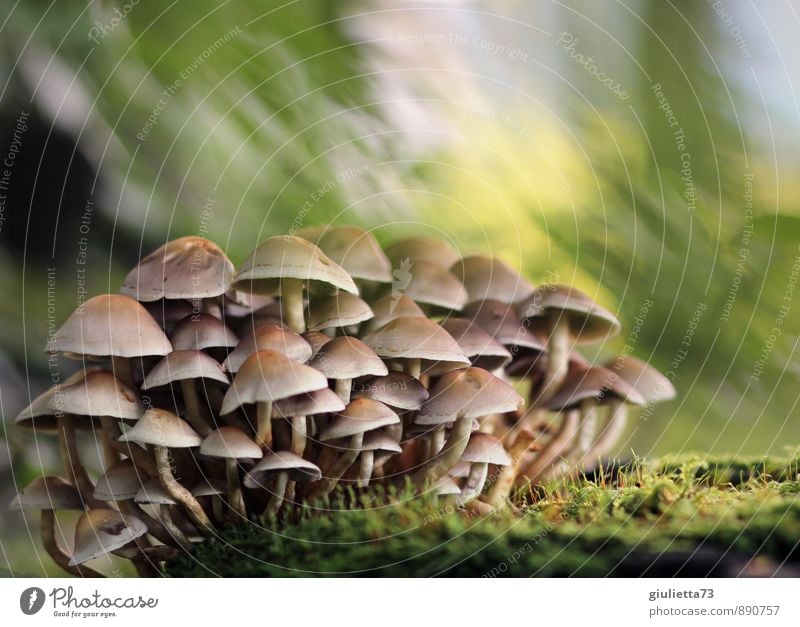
x=593 y=382
x=431 y=284
x=316 y=340
x=200 y=332
x=396 y=389
x=299 y=469
x=360 y=415
x=270 y=376
x=379 y=440
x=121 y=482
x=347 y=358
x=154 y=492
x=101 y=394
x=485 y=449
x=182 y=365
x=422 y=249
x=238 y=304
x=467 y=393
x=48 y=492
x=110 y=325
x=271 y=337
x=653 y=386
x=168 y=313
x=491 y=278
x=209 y=486
x=502 y=323
x=162 y=428
x=391 y=306
x=588 y=321
x=445 y=486
x=322 y=401
x=100 y=531
x=337 y=310
x=287 y=256
x=480 y=347
x=230 y=443
x=417 y=338
x=357 y=251
x=185 y=268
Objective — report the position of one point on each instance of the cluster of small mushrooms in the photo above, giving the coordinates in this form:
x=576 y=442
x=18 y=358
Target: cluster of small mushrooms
x=222 y=396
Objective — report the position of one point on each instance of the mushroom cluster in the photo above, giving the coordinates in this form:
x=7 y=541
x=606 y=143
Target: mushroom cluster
x=221 y=396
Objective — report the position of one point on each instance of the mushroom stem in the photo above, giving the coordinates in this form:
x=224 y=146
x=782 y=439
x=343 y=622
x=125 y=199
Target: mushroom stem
x=365 y=470
x=299 y=435
x=448 y=457
x=588 y=427
x=178 y=492
x=292 y=304
x=502 y=487
x=344 y=388
x=414 y=367
x=70 y=457
x=615 y=426
x=54 y=550
x=558 y=356
x=474 y=484
x=192 y=401
x=437 y=440
x=235 y=497
x=554 y=448
x=326 y=485
x=276 y=500
x=139 y=456
x=264 y=430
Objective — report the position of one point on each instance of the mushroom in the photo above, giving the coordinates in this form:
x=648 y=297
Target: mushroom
x=283 y=264
x=310 y=405
x=426 y=249
x=446 y=486
x=481 y=349
x=268 y=376
x=344 y=359
x=524 y=442
x=201 y=332
x=337 y=311
x=101 y=531
x=391 y=306
x=491 y=278
x=482 y=450
x=395 y=389
x=286 y=466
x=269 y=337
x=231 y=444
x=378 y=446
x=168 y=313
x=430 y=284
x=357 y=251
x=48 y=494
x=316 y=340
x=152 y=492
x=213 y=488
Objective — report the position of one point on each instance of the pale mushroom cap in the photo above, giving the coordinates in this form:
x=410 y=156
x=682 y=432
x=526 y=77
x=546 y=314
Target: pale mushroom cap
x=200 y=332
x=270 y=376
x=396 y=389
x=316 y=340
x=379 y=440
x=491 y=278
x=646 y=380
x=110 y=325
x=155 y=493
x=422 y=249
x=238 y=304
x=41 y=414
x=184 y=364
x=360 y=415
x=485 y=449
x=99 y=394
x=416 y=338
x=100 y=531
x=230 y=443
x=269 y=337
x=482 y=350
x=588 y=321
x=48 y=492
x=593 y=383
x=186 y=268
x=445 y=486
x=322 y=401
x=299 y=469
x=121 y=482
x=338 y=310
x=357 y=251
x=347 y=358
x=210 y=487
x=391 y=306
x=467 y=393
x=431 y=284
x=287 y=256
x=162 y=428
x=502 y=323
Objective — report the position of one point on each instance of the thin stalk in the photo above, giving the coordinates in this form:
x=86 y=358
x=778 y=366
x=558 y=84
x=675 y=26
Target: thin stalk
x=70 y=457
x=276 y=500
x=192 y=401
x=554 y=448
x=122 y=368
x=588 y=427
x=502 y=487
x=54 y=549
x=292 y=304
x=453 y=448
x=264 y=431
x=558 y=356
x=344 y=388
x=299 y=436
x=235 y=497
x=174 y=531
x=414 y=367
x=437 y=440
x=615 y=426
x=326 y=485
x=140 y=457
x=178 y=492
x=474 y=483
x=365 y=470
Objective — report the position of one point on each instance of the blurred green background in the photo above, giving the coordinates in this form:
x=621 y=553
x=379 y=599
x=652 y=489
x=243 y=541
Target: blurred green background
x=645 y=151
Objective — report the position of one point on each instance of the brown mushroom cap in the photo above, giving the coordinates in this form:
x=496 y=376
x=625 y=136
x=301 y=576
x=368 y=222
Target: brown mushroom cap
x=485 y=449
x=379 y=440
x=482 y=350
x=347 y=358
x=502 y=323
x=360 y=415
x=337 y=310
x=185 y=364
x=100 y=531
x=422 y=249
x=653 y=386
x=316 y=340
x=230 y=443
x=162 y=428
x=110 y=325
x=491 y=278
x=101 y=394
x=202 y=331
x=417 y=338
x=154 y=493
x=186 y=268
x=467 y=393
x=391 y=306
x=357 y=251
x=396 y=389
x=270 y=376
x=121 y=482
x=322 y=401
x=588 y=321
x=594 y=382
x=299 y=469
x=48 y=493
x=431 y=284
x=287 y=256
x=269 y=337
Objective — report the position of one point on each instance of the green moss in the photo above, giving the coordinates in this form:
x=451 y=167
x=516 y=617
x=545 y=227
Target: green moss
x=679 y=516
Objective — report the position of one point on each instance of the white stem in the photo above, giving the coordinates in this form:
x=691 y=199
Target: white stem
x=292 y=303
x=474 y=484
x=365 y=471
x=264 y=418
